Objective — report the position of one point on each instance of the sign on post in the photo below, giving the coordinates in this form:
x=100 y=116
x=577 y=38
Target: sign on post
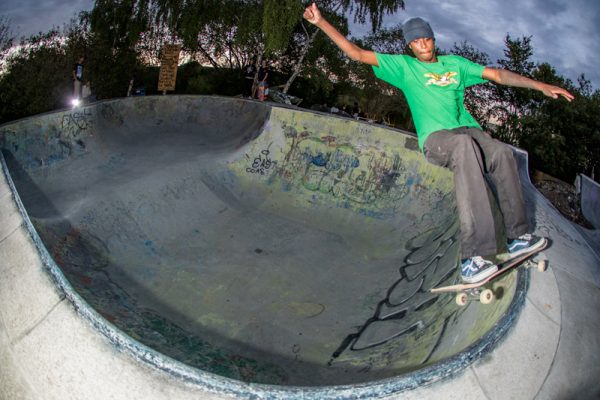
x=169 y=59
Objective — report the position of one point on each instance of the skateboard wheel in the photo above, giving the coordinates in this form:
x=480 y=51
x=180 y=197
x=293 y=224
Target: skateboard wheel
x=542 y=265
x=462 y=299
x=486 y=296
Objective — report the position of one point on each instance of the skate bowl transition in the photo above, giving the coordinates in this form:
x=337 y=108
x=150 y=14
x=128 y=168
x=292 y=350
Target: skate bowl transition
x=250 y=249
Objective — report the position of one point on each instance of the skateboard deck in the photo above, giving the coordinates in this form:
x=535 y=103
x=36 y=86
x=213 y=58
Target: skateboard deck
x=486 y=295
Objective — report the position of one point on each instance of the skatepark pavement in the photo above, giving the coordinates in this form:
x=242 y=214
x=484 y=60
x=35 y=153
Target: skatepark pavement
x=185 y=247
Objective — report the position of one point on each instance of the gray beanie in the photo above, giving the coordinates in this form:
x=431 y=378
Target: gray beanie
x=416 y=28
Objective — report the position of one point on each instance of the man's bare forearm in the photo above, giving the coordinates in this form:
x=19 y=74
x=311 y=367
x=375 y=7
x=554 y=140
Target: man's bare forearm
x=313 y=15
x=508 y=78
x=349 y=48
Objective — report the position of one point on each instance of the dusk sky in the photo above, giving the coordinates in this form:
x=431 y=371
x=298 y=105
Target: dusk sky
x=564 y=33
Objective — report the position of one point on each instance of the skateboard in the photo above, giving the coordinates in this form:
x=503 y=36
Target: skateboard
x=262 y=91
x=476 y=291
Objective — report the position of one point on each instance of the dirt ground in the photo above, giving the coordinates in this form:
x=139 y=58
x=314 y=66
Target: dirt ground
x=562 y=195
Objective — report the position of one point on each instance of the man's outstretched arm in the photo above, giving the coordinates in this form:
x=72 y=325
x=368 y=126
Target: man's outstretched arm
x=313 y=15
x=508 y=78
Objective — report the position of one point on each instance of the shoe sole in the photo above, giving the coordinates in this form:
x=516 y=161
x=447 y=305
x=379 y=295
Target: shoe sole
x=539 y=244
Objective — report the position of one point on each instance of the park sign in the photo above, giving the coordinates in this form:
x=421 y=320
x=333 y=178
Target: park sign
x=169 y=60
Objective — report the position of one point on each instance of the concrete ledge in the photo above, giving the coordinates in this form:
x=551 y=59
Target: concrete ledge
x=590 y=200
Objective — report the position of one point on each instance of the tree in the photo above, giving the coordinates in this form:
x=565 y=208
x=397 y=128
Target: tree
x=221 y=33
x=513 y=102
x=231 y=33
x=37 y=77
x=6 y=35
x=380 y=100
x=479 y=99
x=563 y=138
x=279 y=20
x=115 y=28
x=360 y=9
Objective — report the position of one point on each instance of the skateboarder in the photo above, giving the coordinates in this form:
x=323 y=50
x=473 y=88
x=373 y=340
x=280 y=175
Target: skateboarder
x=450 y=137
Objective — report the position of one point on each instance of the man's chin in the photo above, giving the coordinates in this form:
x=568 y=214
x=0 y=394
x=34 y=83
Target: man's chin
x=427 y=57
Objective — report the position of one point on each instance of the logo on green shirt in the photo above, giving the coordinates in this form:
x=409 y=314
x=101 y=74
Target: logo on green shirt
x=441 y=80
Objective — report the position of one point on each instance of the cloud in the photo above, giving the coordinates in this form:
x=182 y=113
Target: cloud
x=32 y=16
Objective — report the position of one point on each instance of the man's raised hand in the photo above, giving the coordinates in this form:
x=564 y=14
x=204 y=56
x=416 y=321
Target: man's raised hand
x=555 y=92
x=312 y=14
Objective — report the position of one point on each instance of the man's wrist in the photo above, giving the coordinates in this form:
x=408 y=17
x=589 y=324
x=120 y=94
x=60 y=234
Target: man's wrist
x=321 y=23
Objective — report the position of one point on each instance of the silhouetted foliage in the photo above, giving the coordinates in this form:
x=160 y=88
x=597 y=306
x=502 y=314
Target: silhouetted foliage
x=6 y=35
x=121 y=41
x=37 y=77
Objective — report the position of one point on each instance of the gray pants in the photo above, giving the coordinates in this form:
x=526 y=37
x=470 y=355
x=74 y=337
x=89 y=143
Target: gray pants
x=471 y=153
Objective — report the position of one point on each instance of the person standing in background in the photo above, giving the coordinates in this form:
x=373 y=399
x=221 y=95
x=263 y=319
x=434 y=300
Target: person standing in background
x=78 y=77
x=263 y=75
x=249 y=73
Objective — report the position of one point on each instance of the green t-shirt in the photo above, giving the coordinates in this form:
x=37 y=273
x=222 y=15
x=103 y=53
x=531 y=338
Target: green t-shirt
x=435 y=91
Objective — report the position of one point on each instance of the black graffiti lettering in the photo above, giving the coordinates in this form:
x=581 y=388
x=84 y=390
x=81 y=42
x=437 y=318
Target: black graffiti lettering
x=328 y=165
x=75 y=123
x=260 y=164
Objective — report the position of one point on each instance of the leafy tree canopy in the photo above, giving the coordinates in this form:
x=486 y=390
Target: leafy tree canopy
x=121 y=40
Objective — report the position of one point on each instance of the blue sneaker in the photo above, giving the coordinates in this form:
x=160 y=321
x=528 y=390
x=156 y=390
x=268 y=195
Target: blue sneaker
x=524 y=244
x=476 y=269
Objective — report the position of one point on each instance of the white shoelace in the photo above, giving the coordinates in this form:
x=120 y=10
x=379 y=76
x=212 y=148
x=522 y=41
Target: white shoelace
x=526 y=237
x=478 y=261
